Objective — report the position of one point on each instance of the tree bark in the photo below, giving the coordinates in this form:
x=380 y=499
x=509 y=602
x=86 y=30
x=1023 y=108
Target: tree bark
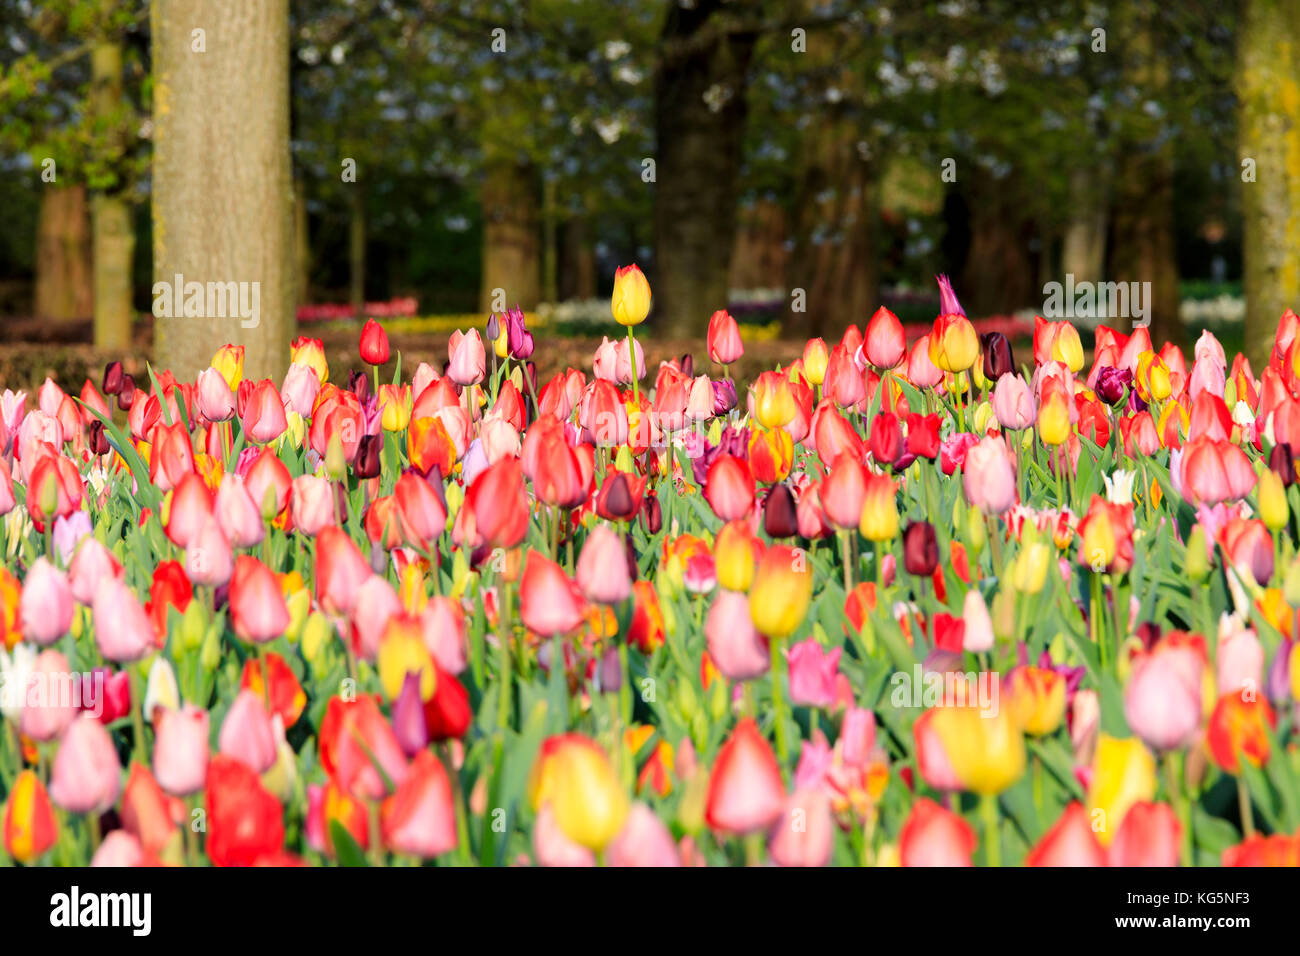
x=700 y=110
x=1269 y=133
x=1144 y=241
x=836 y=231
x=222 y=197
x=998 y=276
x=301 y=244
x=64 y=264
x=511 y=246
x=577 y=278
x=357 y=251
x=1083 y=251
x=114 y=230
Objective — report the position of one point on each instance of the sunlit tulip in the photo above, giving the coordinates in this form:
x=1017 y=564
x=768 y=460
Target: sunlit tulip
x=1123 y=774
x=257 y=609
x=934 y=836
x=745 y=790
x=884 y=342
x=550 y=602
x=724 y=342
x=630 y=302
x=781 y=591
x=86 y=775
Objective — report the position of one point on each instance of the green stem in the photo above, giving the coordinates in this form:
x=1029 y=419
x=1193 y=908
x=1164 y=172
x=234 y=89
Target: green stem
x=631 y=358
x=992 y=844
x=779 y=708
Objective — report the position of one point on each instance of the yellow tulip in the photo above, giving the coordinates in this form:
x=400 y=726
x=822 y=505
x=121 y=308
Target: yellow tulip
x=401 y=652
x=575 y=777
x=631 y=300
x=1123 y=773
x=733 y=556
x=781 y=591
x=985 y=748
x=1272 y=501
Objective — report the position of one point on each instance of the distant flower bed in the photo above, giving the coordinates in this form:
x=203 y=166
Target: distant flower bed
x=335 y=311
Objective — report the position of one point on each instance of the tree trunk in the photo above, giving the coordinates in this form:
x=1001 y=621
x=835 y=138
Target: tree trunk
x=511 y=248
x=222 y=196
x=758 y=258
x=357 y=251
x=1269 y=134
x=550 y=258
x=114 y=230
x=700 y=110
x=998 y=276
x=1144 y=242
x=64 y=284
x=578 y=266
x=301 y=244
x=836 y=228
x=1083 y=251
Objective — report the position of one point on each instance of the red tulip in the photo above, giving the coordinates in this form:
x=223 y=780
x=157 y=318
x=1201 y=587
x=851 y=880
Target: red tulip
x=263 y=417
x=340 y=571
x=549 y=602
x=190 y=509
x=421 y=515
x=268 y=484
x=374 y=343
x=355 y=742
x=1070 y=842
x=729 y=487
x=933 y=836
x=1149 y=835
x=495 y=510
x=245 y=823
x=724 y=341
x=884 y=342
x=1207 y=471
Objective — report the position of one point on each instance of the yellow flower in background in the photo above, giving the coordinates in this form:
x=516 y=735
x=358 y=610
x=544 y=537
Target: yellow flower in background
x=401 y=652
x=1123 y=773
x=631 y=300
x=781 y=591
x=985 y=748
x=1030 y=572
x=1067 y=347
x=733 y=556
x=575 y=777
x=394 y=407
x=1272 y=501
x=310 y=352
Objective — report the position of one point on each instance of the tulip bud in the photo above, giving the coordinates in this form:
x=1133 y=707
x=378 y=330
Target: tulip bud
x=210 y=655
x=113 y=378
x=336 y=464
x=977 y=532
x=315 y=633
x=920 y=549
x=780 y=514
x=1197 y=565
x=1281 y=461
x=98 y=438
x=367 y=461
x=1291 y=584
x=1272 y=500
x=194 y=625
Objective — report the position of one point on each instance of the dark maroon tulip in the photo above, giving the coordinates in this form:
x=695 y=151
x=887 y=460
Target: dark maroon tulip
x=630 y=550
x=688 y=365
x=1282 y=461
x=367 y=463
x=652 y=512
x=98 y=440
x=1111 y=383
x=920 y=549
x=780 y=516
x=886 y=438
x=618 y=500
x=359 y=385
x=112 y=378
x=126 y=394
x=998 y=360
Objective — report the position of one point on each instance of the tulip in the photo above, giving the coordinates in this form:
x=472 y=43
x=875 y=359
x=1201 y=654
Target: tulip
x=1013 y=403
x=30 y=827
x=468 y=359
x=1208 y=471
x=953 y=345
x=268 y=483
x=643 y=841
x=724 y=342
x=402 y=652
x=602 y=572
x=745 y=791
x=263 y=416
x=986 y=752
x=736 y=648
x=312 y=504
x=180 y=750
x=1036 y=696
x=550 y=603
x=421 y=514
x=360 y=750
x=1053 y=419
x=1149 y=836
x=884 y=342
x=729 y=487
x=257 y=610
x=146 y=814
x=247 y=734
x=374 y=343
x=934 y=836
x=340 y=571
x=813 y=673
x=1070 y=842
x=734 y=553
x=47 y=695
x=977 y=637
x=879 y=518
x=1273 y=508
x=245 y=822
x=920 y=549
x=781 y=591
x=86 y=776
x=843 y=492
x=123 y=632
x=1239 y=726
x=844 y=384
x=300 y=388
x=804 y=834
x=208 y=558
x=630 y=302
x=815 y=357
x=1123 y=774
x=1106 y=537
x=215 y=400
x=774 y=403
x=574 y=778
x=237 y=513
x=46 y=607
x=419 y=819
x=780 y=513
x=229 y=361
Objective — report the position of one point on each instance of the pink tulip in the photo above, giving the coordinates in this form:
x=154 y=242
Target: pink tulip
x=745 y=789
x=340 y=571
x=237 y=513
x=376 y=602
x=738 y=651
x=812 y=673
x=934 y=836
x=1239 y=658
x=86 y=776
x=215 y=399
x=247 y=734
x=857 y=736
x=1150 y=835
x=264 y=419
x=91 y=563
x=419 y=819
x=6 y=482
x=421 y=515
x=643 y=841
x=1070 y=842
x=1162 y=699
x=602 y=567
x=443 y=624
x=552 y=848
x=48 y=704
x=1013 y=403
x=180 y=749
x=549 y=602
x=191 y=507
x=123 y=632
x=45 y=608
x=988 y=476
x=300 y=388
x=208 y=559
x=978 y=634
x=257 y=609
x=268 y=483
x=804 y=833
x=921 y=372
x=724 y=342
x=120 y=849
x=312 y=502
x=1207 y=471
x=468 y=360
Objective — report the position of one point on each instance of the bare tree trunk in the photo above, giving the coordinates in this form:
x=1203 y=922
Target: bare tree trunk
x=700 y=110
x=301 y=244
x=758 y=259
x=577 y=271
x=511 y=249
x=550 y=259
x=222 y=197
x=357 y=251
x=1269 y=134
x=836 y=231
x=1083 y=251
x=64 y=266
x=114 y=231
x=1144 y=239
x=998 y=276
